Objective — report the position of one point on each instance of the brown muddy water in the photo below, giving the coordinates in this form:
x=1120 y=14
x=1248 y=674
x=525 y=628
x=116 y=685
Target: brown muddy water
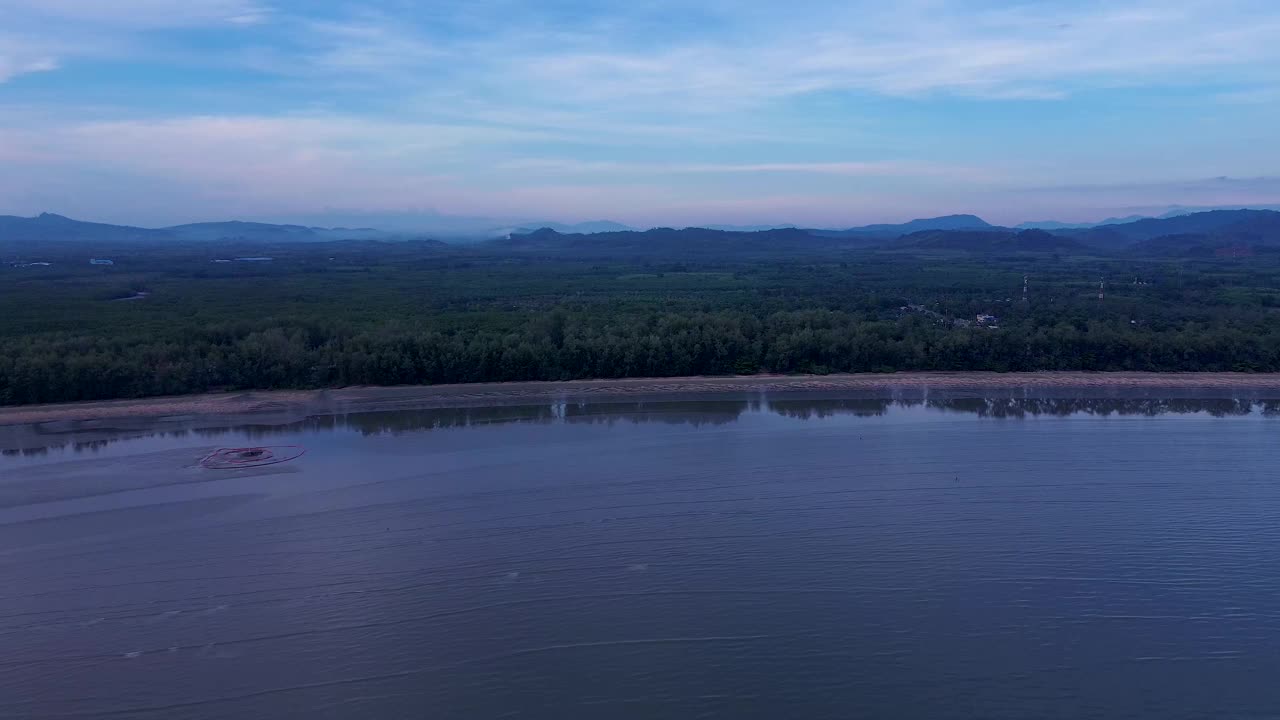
x=752 y=556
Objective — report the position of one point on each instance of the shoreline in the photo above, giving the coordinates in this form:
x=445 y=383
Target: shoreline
x=258 y=404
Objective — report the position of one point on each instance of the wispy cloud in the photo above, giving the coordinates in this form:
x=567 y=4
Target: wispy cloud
x=43 y=35
x=370 y=43
x=658 y=106
x=870 y=169
x=746 y=52
x=19 y=57
x=1098 y=200
x=1259 y=184
x=138 y=13
x=255 y=164
x=921 y=47
x=1252 y=96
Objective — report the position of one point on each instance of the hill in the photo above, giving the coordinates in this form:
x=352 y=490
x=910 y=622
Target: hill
x=995 y=240
x=1055 y=225
x=1229 y=225
x=946 y=222
x=1258 y=235
x=50 y=228
x=749 y=228
x=242 y=231
x=871 y=233
x=668 y=243
x=582 y=228
x=239 y=231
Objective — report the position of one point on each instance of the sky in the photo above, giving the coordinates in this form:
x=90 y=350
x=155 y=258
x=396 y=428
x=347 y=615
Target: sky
x=647 y=112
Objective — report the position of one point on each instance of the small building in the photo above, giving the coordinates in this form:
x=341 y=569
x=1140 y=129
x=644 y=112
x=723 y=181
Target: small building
x=97 y=261
x=988 y=320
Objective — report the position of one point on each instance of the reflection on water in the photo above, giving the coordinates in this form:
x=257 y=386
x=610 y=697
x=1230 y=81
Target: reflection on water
x=82 y=437
x=940 y=558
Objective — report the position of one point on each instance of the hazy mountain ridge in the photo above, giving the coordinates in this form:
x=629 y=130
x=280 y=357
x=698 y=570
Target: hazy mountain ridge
x=582 y=228
x=891 y=230
x=1255 y=234
x=994 y=240
x=49 y=227
x=52 y=228
x=1227 y=225
x=667 y=242
x=1055 y=225
x=1195 y=233
x=255 y=231
x=1199 y=233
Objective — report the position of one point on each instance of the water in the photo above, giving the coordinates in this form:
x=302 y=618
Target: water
x=744 y=557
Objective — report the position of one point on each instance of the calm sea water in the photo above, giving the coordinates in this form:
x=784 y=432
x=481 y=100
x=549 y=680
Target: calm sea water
x=741 y=558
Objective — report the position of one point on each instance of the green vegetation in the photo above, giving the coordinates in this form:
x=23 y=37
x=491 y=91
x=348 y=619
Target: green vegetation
x=332 y=314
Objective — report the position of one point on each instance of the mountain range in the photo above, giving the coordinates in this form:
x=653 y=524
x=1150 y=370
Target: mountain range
x=664 y=242
x=1055 y=225
x=1196 y=233
x=1242 y=232
x=946 y=222
x=52 y=228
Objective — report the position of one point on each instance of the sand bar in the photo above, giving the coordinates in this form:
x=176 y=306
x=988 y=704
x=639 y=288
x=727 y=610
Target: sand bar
x=370 y=399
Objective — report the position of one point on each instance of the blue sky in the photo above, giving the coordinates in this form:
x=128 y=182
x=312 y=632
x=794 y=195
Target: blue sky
x=647 y=112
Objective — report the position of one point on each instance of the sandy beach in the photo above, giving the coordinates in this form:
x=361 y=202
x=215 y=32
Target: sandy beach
x=368 y=399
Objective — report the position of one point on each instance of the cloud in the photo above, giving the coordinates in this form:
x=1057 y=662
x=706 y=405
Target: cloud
x=19 y=58
x=371 y=45
x=392 y=104
x=43 y=35
x=244 y=164
x=1259 y=184
x=145 y=14
x=1269 y=95
x=1094 y=201
x=922 y=47
x=868 y=169
x=723 y=55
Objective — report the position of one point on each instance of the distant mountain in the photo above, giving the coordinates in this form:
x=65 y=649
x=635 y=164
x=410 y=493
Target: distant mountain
x=946 y=222
x=1186 y=244
x=1263 y=226
x=747 y=228
x=241 y=231
x=48 y=227
x=995 y=240
x=1195 y=245
x=593 y=226
x=667 y=243
x=1176 y=210
x=1055 y=225
x=264 y=232
x=1172 y=211
x=1257 y=233
x=407 y=223
x=1194 y=233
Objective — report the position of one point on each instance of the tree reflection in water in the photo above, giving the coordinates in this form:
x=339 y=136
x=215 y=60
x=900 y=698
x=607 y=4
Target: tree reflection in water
x=37 y=440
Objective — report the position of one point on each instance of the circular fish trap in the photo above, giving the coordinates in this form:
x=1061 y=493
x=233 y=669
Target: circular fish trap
x=250 y=457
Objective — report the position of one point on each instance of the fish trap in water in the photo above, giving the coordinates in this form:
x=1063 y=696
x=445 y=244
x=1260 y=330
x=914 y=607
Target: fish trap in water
x=251 y=457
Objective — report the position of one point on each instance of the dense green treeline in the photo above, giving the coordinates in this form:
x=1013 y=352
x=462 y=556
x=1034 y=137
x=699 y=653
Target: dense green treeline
x=402 y=317
x=60 y=368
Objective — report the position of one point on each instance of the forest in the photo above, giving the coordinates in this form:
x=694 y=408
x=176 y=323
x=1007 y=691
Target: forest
x=168 y=319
